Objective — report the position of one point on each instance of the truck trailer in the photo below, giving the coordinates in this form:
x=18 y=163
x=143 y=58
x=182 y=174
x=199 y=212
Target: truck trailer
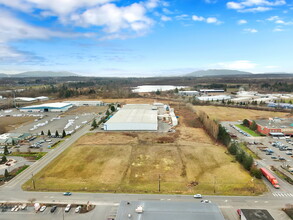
x=270 y=178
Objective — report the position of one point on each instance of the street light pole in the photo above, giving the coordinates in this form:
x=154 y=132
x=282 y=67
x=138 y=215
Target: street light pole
x=159 y=183
x=33 y=181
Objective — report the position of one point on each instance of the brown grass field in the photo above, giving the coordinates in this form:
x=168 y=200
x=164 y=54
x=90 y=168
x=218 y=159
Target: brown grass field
x=234 y=114
x=10 y=123
x=188 y=162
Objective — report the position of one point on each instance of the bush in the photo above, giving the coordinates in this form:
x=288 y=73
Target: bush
x=256 y=172
x=233 y=149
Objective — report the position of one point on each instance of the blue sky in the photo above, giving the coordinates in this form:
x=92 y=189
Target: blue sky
x=147 y=37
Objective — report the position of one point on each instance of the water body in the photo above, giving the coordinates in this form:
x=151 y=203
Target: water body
x=154 y=88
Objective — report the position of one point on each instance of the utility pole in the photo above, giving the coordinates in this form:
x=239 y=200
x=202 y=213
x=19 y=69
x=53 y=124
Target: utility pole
x=214 y=184
x=33 y=181
x=159 y=183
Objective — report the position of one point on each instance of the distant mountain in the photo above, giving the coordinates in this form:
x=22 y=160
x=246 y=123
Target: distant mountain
x=44 y=74
x=3 y=75
x=217 y=72
x=39 y=74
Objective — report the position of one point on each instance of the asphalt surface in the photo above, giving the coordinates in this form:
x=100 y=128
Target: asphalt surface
x=105 y=203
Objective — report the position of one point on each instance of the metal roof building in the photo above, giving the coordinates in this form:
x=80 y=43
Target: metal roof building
x=48 y=107
x=168 y=210
x=134 y=117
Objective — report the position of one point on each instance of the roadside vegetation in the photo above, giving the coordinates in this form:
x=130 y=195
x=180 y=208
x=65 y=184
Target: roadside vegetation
x=28 y=155
x=185 y=162
x=9 y=175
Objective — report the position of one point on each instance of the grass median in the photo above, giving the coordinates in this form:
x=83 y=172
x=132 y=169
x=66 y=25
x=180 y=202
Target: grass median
x=248 y=130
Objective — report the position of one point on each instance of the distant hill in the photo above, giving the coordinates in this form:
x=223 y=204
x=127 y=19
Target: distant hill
x=39 y=74
x=217 y=72
x=2 y=75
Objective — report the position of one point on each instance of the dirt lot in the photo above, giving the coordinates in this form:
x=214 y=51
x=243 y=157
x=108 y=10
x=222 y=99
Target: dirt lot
x=10 y=123
x=234 y=114
x=85 y=109
x=187 y=161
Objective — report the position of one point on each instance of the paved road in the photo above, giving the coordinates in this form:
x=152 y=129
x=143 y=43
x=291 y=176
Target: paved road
x=15 y=183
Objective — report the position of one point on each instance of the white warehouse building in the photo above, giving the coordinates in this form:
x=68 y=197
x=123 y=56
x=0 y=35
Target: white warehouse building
x=86 y=103
x=48 y=107
x=134 y=117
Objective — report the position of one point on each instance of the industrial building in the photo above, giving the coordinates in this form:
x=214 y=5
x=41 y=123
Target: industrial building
x=255 y=214
x=188 y=93
x=275 y=126
x=132 y=117
x=86 y=103
x=168 y=210
x=48 y=107
x=29 y=99
x=214 y=98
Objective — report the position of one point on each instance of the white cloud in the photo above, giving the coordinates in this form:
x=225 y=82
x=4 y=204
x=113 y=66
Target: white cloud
x=165 y=18
x=254 y=5
x=242 y=21
x=212 y=20
x=278 y=30
x=277 y=20
x=198 y=18
x=115 y=19
x=237 y=65
x=209 y=20
x=182 y=17
x=272 y=67
x=13 y=29
x=250 y=30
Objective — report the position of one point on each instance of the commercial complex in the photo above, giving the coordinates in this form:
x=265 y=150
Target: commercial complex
x=13 y=138
x=188 y=93
x=275 y=126
x=163 y=210
x=48 y=107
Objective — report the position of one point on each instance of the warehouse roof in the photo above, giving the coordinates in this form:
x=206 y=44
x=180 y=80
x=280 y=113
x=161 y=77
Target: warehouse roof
x=259 y=214
x=56 y=105
x=134 y=115
x=166 y=210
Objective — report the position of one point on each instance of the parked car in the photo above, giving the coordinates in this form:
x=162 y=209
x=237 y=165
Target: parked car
x=197 y=196
x=14 y=207
x=67 y=194
x=239 y=212
x=53 y=209
x=43 y=208
x=23 y=206
x=68 y=207
x=274 y=158
x=78 y=208
x=205 y=201
x=289 y=153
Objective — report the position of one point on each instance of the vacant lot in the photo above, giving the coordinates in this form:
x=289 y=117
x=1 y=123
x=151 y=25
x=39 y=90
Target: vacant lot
x=10 y=123
x=186 y=162
x=234 y=114
x=86 y=109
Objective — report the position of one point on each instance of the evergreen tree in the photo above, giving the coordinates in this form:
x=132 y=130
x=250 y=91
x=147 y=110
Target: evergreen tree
x=42 y=133
x=94 y=124
x=63 y=134
x=247 y=162
x=240 y=156
x=56 y=134
x=253 y=126
x=6 y=152
x=256 y=172
x=176 y=90
x=113 y=108
x=158 y=92
x=6 y=174
x=107 y=113
x=49 y=133
x=3 y=160
x=245 y=122
x=223 y=136
x=233 y=148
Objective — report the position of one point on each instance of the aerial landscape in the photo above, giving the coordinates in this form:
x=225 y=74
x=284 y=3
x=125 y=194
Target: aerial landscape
x=151 y=109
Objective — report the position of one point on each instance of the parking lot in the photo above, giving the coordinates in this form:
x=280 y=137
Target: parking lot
x=274 y=151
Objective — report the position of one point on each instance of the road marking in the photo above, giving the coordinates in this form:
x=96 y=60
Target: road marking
x=266 y=201
x=226 y=200
x=283 y=194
